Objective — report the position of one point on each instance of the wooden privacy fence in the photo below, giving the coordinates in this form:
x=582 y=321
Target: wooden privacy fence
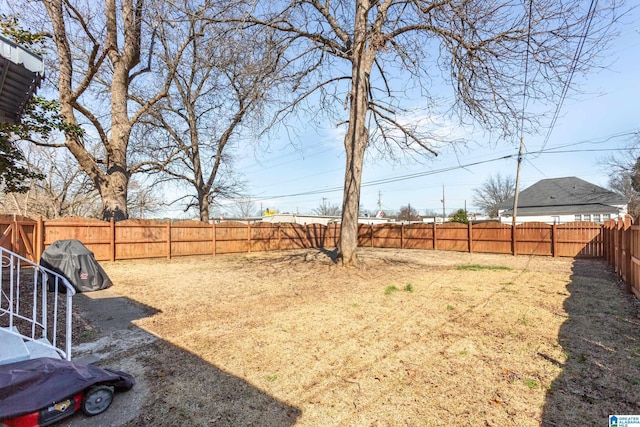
x=132 y=239
x=20 y=235
x=622 y=252
x=572 y=239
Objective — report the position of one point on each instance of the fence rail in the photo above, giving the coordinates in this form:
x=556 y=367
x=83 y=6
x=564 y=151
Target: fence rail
x=134 y=239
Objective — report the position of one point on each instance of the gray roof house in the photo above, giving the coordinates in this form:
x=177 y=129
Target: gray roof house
x=562 y=200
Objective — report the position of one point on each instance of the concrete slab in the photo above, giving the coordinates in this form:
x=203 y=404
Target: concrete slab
x=12 y=348
x=117 y=346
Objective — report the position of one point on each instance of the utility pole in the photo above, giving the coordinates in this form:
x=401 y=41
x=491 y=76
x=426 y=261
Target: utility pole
x=379 y=200
x=444 y=214
x=515 y=198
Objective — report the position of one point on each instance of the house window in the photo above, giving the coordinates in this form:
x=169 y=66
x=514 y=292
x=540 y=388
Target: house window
x=606 y=217
x=586 y=217
x=596 y=217
x=577 y=217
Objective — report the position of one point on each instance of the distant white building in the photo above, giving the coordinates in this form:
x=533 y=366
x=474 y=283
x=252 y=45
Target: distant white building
x=432 y=219
x=563 y=200
x=319 y=219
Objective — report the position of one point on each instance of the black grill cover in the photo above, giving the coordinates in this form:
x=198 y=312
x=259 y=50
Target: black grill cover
x=74 y=261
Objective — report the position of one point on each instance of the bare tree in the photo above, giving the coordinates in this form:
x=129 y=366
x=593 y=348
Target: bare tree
x=246 y=208
x=143 y=200
x=216 y=95
x=623 y=185
x=63 y=191
x=104 y=51
x=217 y=92
x=408 y=213
x=354 y=52
x=495 y=190
x=431 y=213
x=327 y=208
x=624 y=170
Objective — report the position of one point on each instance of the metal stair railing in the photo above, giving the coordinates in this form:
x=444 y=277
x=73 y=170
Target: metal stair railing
x=32 y=298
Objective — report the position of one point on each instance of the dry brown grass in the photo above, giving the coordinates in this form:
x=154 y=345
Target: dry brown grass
x=286 y=338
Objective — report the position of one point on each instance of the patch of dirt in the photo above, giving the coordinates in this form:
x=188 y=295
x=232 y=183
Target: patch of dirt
x=82 y=330
x=407 y=338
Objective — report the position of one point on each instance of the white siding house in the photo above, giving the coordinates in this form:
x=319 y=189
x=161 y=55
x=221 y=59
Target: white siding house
x=563 y=200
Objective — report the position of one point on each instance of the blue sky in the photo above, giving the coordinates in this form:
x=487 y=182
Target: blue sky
x=282 y=176
x=296 y=174
x=609 y=106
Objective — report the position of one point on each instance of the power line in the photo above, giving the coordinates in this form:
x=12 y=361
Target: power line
x=552 y=150
x=524 y=104
x=574 y=63
x=526 y=68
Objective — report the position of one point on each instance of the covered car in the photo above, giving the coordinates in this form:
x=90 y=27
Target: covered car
x=74 y=261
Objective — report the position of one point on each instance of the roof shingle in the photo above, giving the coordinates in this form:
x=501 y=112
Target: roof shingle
x=565 y=195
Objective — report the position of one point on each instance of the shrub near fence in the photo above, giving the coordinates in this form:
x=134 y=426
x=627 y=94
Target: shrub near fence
x=132 y=239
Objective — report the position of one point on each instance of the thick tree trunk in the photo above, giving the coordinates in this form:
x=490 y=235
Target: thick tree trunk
x=203 y=205
x=113 y=182
x=113 y=192
x=355 y=141
x=113 y=187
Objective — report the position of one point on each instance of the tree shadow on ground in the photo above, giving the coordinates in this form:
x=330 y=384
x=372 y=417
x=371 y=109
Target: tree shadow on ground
x=306 y=255
x=174 y=386
x=601 y=373
x=291 y=258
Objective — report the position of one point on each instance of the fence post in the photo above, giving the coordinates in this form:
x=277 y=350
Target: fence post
x=605 y=242
x=514 y=241
x=39 y=239
x=470 y=235
x=554 y=239
x=371 y=234
x=402 y=236
x=249 y=236
x=279 y=236
x=619 y=248
x=612 y=244
x=434 y=234
x=15 y=236
x=213 y=237
x=603 y=232
x=628 y=282
x=169 y=239
x=112 y=239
